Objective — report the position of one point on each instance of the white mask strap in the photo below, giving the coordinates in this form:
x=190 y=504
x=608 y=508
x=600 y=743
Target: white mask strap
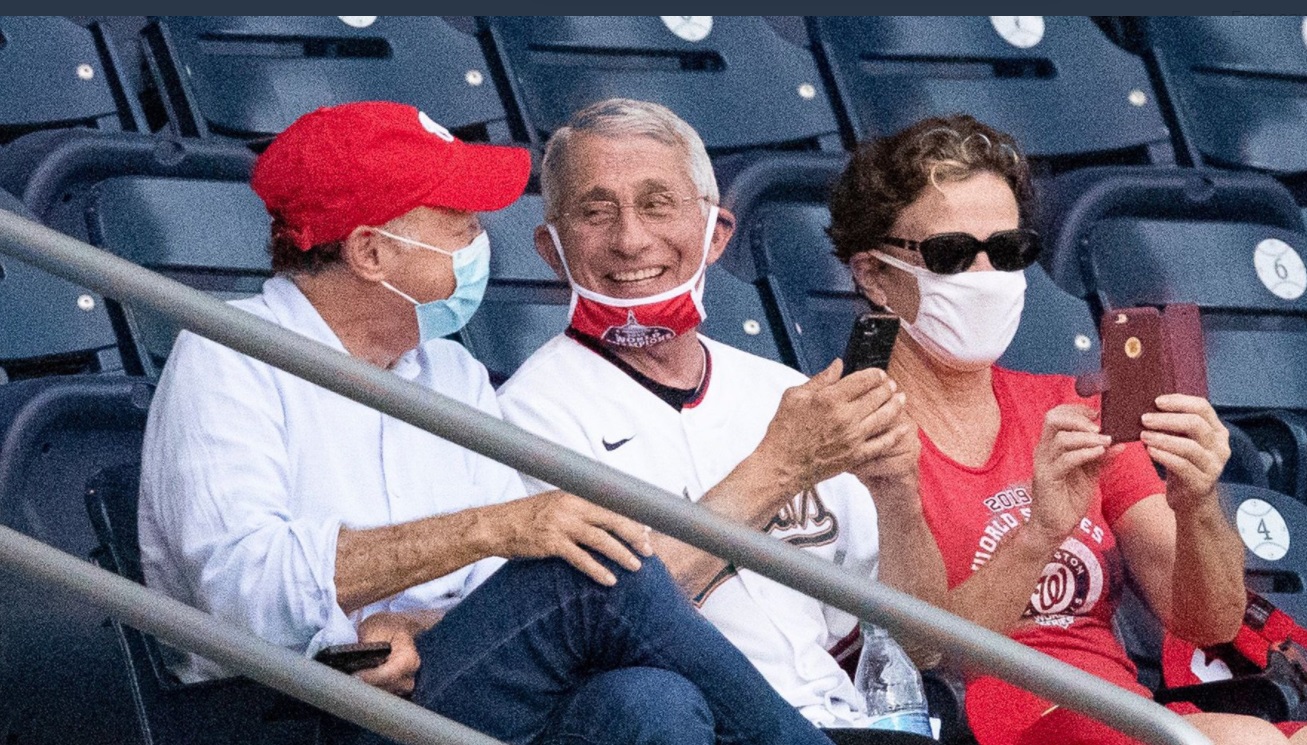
x=412 y=242
x=399 y=292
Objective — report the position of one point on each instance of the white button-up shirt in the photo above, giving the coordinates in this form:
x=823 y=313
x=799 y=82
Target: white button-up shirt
x=249 y=473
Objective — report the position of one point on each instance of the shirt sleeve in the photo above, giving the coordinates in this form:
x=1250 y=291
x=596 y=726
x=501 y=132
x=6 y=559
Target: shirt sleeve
x=217 y=524
x=1129 y=478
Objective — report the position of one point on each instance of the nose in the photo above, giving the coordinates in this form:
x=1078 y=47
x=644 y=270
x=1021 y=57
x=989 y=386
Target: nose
x=629 y=236
x=981 y=263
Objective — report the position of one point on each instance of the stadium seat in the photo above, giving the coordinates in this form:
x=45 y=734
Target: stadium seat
x=1226 y=241
x=1056 y=83
x=1236 y=85
x=51 y=326
x=1275 y=566
x=168 y=711
x=1127 y=237
x=251 y=76
x=781 y=245
x=526 y=304
x=60 y=670
x=181 y=207
x=59 y=74
x=737 y=80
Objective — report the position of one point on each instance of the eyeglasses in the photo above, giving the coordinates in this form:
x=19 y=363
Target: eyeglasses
x=653 y=208
x=951 y=253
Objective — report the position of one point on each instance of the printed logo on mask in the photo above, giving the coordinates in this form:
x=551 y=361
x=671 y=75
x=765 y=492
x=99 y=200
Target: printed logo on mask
x=636 y=334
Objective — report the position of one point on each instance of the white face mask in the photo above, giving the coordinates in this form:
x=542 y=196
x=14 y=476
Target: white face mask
x=965 y=320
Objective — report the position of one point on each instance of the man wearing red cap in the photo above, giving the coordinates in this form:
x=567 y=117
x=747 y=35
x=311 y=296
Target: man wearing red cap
x=314 y=521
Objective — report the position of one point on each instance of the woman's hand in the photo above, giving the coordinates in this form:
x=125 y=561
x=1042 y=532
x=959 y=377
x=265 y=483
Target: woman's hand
x=1188 y=439
x=1068 y=458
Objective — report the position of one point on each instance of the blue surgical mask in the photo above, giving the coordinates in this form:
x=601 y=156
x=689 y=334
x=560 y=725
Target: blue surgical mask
x=440 y=318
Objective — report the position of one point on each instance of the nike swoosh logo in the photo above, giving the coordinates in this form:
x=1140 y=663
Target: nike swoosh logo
x=611 y=446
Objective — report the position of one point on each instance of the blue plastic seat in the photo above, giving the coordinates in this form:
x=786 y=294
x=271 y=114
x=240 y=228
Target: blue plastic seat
x=1124 y=237
x=1150 y=236
x=59 y=74
x=737 y=80
x=1060 y=87
x=1238 y=87
x=181 y=207
x=62 y=670
x=251 y=76
x=51 y=326
x=168 y=711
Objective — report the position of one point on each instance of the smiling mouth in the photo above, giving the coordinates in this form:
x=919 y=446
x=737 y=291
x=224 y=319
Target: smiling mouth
x=637 y=275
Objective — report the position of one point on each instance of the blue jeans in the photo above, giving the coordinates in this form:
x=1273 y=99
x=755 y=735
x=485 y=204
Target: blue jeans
x=542 y=654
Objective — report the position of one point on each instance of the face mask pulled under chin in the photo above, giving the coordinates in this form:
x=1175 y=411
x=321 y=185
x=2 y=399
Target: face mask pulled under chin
x=965 y=320
x=639 y=322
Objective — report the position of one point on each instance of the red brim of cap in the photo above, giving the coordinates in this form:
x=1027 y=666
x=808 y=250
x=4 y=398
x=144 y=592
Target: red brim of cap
x=481 y=178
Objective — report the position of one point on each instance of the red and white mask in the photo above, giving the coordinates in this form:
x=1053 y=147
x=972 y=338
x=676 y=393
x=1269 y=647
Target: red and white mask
x=639 y=322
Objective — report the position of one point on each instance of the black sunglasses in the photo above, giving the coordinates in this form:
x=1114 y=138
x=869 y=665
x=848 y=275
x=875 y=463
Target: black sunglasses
x=950 y=253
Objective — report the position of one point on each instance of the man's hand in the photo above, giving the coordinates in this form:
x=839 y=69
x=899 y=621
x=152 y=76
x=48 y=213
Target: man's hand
x=1068 y=458
x=399 y=672
x=559 y=524
x=1189 y=440
x=898 y=456
x=830 y=425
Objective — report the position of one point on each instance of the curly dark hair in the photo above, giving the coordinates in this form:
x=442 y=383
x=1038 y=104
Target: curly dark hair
x=287 y=257
x=889 y=173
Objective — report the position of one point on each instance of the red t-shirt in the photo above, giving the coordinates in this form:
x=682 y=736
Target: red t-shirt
x=971 y=510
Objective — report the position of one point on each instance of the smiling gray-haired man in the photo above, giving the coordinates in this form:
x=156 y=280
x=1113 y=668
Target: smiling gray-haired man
x=633 y=220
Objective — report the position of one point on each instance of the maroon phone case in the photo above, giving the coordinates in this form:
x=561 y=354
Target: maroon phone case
x=1146 y=354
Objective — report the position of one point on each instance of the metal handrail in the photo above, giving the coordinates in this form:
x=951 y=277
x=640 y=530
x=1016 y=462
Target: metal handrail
x=976 y=647
x=233 y=647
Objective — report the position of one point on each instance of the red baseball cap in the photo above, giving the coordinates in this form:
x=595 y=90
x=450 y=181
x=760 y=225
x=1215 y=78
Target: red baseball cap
x=367 y=163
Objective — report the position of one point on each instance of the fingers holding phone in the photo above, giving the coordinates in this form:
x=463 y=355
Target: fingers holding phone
x=1070 y=453
x=1186 y=437
x=397 y=673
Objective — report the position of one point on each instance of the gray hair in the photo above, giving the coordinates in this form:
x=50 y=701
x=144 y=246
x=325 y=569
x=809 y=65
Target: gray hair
x=622 y=117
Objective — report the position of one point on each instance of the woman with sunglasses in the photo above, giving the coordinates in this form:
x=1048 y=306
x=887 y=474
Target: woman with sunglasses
x=1040 y=518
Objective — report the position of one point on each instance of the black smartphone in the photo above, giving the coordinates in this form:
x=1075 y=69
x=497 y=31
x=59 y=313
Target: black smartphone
x=350 y=658
x=870 y=342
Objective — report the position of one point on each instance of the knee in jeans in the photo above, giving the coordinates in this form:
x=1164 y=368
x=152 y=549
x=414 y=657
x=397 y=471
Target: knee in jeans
x=647 y=705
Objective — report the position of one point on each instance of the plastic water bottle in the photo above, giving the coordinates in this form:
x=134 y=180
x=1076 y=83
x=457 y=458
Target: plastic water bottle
x=896 y=698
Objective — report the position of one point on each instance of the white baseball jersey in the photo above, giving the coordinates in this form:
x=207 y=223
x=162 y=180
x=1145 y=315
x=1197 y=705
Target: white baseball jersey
x=570 y=394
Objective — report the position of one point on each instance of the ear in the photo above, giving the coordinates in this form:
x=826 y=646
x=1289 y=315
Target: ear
x=721 y=235
x=545 y=247
x=362 y=253
x=867 y=275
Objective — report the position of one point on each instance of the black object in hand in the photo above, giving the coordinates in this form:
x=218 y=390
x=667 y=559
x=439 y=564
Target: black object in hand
x=350 y=658
x=870 y=342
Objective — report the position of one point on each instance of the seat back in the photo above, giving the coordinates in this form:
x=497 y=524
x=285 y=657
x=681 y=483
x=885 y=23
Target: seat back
x=167 y=711
x=1056 y=83
x=1229 y=242
x=251 y=76
x=61 y=669
x=51 y=326
x=735 y=79
x=211 y=235
x=526 y=303
x=58 y=74
x=183 y=208
x=1239 y=87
